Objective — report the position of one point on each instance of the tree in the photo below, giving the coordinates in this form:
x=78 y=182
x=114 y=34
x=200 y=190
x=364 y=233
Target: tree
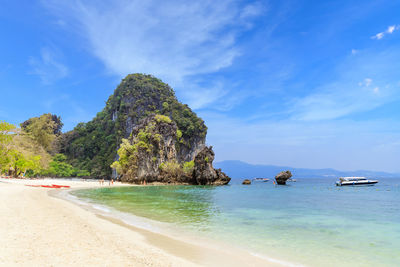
x=60 y=168
x=19 y=163
x=19 y=152
x=44 y=130
x=6 y=136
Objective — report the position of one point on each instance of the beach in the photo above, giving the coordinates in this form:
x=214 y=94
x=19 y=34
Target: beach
x=37 y=229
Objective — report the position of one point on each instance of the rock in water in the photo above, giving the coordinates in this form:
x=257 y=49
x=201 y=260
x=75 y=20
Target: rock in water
x=246 y=181
x=204 y=172
x=282 y=177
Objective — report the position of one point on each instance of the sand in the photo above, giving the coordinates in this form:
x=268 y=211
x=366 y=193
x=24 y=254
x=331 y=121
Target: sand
x=37 y=229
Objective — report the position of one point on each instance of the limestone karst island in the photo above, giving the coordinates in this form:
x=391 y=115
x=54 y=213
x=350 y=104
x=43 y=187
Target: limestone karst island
x=200 y=133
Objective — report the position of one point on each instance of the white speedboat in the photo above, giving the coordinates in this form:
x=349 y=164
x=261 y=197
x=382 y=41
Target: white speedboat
x=355 y=181
x=261 y=179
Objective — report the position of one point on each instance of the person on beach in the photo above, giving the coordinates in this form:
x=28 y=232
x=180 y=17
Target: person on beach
x=112 y=181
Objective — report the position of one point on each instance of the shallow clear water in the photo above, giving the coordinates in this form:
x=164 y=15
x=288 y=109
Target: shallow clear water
x=309 y=222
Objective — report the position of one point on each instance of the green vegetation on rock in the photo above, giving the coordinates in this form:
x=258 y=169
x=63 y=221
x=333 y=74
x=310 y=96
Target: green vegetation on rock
x=93 y=146
x=171 y=169
x=162 y=118
x=127 y=158
x=188 y=167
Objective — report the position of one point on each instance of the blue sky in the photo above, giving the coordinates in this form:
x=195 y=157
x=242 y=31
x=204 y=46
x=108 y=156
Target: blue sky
x=300 y=83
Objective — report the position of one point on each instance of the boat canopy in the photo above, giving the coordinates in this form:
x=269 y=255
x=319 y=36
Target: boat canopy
x=352 y=178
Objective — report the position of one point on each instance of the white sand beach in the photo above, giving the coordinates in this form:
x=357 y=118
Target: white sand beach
x=37 y=229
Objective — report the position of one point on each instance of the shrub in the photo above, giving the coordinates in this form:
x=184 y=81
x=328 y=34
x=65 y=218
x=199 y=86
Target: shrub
x=188 y=167
x=178 y=134
x=171 y=168
x=162 y=118
x=59 y=168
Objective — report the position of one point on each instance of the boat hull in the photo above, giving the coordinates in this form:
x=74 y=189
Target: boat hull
x=352 y=183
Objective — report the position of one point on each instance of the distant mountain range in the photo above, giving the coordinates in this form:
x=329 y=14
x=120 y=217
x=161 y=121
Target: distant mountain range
x=239 y=169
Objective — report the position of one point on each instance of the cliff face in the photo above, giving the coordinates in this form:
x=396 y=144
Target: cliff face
x=93 y=146
x=151 y=154
x=204 y=172
x=151 y=143
x=140 y=95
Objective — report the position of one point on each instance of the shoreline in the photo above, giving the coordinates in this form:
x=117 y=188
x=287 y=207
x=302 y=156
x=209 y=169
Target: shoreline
x=147 y=247
x=171 y=234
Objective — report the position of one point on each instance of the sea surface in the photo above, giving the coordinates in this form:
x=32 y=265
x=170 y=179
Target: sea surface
x=310 y=222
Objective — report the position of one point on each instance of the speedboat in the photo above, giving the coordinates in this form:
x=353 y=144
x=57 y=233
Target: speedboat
x=261 y=179
x=355 y=181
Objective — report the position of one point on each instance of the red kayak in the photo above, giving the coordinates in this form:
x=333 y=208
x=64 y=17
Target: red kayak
x=49 y=186
x=66 y=186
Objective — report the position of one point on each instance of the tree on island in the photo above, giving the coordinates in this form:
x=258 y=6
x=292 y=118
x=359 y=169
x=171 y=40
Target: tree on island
x=6 y=131
x=26 y=151
x=45 y=130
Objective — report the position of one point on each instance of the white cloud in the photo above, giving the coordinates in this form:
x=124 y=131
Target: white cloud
x=354 y=51
x=342 y=97
x=367 y=82
x=378 y=36
x=389 y=30
x=47 y=66
x=169 y=39
x=199 y=96
x=252 y=10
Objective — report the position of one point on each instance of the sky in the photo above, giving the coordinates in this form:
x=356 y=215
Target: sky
x=312 y=84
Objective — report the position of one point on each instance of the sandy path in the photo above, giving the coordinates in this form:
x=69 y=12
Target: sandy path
x=39 y=230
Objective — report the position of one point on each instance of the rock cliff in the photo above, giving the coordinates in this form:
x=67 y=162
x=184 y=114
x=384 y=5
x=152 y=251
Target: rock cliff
x=204 y=172
x=151 y=154
x=145 y=117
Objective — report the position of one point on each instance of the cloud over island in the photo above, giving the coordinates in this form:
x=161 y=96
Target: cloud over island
x=171 y=40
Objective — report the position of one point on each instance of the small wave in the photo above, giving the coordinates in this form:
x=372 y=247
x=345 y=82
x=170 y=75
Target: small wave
x=68 y=196
x=102 y=208
x=127 y=218
x=140 y=223
x=281 y=262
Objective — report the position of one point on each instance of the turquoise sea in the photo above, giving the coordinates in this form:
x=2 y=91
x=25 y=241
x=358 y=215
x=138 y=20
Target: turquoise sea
x=310 y=222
